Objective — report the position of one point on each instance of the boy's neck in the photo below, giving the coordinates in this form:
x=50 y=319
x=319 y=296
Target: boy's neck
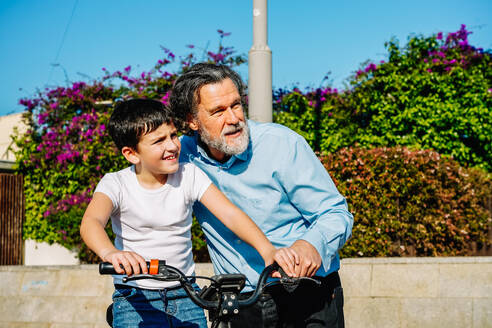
x=149 y=180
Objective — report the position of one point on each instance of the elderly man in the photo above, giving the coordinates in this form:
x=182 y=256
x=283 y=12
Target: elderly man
x=272 y=174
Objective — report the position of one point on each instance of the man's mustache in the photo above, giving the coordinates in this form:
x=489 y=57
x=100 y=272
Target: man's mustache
x=230 y=129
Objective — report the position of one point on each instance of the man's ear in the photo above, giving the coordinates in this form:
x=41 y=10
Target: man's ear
x=131 y=155
x=192 y=122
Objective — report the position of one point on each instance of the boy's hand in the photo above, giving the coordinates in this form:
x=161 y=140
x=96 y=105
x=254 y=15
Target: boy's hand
x=130 y=261
x=287 y=258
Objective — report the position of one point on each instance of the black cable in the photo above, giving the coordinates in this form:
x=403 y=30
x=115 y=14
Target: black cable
x=55 y=62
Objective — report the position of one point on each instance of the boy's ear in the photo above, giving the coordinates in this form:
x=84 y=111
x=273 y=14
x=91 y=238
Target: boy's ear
x=192 y=122
x=131 y=155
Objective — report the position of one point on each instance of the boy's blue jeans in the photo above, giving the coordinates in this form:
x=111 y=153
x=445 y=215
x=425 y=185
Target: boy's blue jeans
x=136 y=307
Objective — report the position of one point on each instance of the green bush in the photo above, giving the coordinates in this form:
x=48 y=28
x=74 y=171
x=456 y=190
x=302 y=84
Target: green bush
x=411 y=203
x=319 y=116
x=434 y=93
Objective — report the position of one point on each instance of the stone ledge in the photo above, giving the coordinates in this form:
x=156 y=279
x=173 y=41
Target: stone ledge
x=381 y=292
x=418 y=260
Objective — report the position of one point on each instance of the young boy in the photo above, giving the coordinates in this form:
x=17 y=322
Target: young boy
x=150 y=208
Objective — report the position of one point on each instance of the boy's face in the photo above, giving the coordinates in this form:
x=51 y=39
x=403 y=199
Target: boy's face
x=158 y=151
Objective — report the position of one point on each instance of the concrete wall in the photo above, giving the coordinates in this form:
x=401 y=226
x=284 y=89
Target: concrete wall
x=418 y=292
x=382 y=292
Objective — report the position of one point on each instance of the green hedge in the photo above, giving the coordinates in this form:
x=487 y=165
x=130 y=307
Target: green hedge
x=411 y=203
x=433 y=93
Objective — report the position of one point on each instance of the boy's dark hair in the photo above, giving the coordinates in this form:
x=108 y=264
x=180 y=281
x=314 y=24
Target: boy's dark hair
x=131 y=119
x=185 y=95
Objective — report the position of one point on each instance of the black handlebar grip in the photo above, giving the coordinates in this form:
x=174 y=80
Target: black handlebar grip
x=106 y=268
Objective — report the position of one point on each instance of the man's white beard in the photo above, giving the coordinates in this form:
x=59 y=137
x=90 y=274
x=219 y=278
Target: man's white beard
x=238 y=145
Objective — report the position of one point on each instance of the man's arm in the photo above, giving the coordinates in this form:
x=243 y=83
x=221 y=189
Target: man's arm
x=312 y=191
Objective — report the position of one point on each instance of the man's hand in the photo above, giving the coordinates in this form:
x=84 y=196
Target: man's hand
x=309 y=258
x=287 y=259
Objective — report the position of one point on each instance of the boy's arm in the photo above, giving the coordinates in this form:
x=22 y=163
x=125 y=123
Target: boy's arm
x=242 y=225
x=92 y=231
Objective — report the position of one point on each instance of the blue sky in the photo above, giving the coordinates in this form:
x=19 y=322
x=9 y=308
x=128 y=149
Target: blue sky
x=307 y=38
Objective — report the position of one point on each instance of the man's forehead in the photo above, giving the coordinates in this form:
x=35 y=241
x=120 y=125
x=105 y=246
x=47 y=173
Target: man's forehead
x=215 y=92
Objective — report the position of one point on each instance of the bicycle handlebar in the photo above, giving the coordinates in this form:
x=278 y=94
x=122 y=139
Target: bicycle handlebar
x=228 y=285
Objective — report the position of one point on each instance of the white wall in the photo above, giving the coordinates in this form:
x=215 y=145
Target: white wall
x=7 y=124
x=36 y=253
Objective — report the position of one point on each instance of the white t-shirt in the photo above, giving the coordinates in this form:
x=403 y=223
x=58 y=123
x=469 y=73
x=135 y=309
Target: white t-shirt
x=155 y=223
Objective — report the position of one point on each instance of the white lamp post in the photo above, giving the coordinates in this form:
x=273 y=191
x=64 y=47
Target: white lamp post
x=260 y=67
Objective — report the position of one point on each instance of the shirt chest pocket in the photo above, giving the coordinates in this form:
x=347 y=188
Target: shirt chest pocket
x=261 y=210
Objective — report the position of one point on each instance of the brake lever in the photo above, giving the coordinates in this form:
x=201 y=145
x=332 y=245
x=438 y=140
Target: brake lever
x=159 y=277
x=138 y=277
x=291 y=283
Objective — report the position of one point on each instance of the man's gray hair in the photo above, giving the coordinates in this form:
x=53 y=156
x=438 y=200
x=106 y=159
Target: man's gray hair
x=185 y=95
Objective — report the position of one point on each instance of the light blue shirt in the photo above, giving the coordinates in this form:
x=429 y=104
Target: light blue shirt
x=281 y=184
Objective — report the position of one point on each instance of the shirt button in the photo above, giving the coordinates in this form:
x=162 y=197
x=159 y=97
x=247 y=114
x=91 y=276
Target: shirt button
x=238 y=241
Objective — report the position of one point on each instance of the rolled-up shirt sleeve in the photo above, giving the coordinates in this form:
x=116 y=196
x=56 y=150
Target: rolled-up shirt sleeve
x=312 y=191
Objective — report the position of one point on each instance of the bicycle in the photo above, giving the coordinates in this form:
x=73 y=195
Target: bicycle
x=221 y=298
